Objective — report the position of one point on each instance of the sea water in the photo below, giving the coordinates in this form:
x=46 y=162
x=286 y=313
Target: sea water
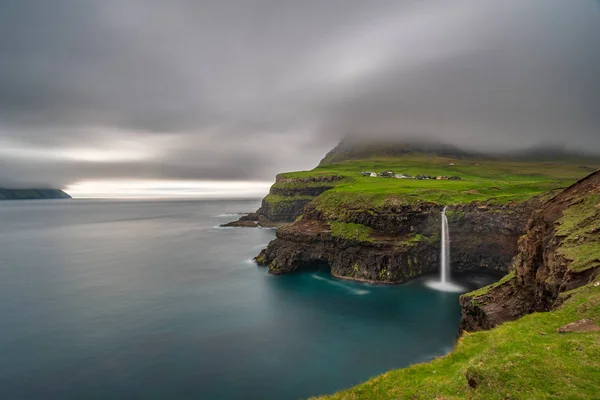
x=151 y=299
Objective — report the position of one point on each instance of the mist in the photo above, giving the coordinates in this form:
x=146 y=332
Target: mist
x=242 y=90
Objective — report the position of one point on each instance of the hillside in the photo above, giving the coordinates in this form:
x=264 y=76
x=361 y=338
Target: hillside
x=481 y=179
x=32 y=194
x=358 y=148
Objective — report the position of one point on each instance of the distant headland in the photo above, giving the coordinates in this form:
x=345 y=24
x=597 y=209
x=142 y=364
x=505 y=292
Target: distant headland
x=32 y=194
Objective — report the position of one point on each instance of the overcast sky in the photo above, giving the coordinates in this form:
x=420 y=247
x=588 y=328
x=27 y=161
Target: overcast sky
x=244 y=89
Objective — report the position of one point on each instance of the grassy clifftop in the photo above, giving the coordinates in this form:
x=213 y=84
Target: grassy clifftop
x=481 y=180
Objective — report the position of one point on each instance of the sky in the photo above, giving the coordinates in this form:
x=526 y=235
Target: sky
x=110 y=92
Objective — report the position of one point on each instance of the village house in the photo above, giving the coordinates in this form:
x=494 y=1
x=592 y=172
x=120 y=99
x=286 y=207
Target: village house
x=391 y=174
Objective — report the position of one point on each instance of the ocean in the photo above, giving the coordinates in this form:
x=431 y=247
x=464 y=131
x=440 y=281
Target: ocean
x=121 y=299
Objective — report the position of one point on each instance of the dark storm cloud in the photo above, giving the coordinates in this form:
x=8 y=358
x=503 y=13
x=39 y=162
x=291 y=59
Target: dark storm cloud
x=244 y=89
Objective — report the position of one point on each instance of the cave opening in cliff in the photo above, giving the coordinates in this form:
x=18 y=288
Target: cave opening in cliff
x=313 y=266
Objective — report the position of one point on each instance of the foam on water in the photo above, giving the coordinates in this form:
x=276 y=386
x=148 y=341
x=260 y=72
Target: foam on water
x=358 y=292
x=223 y=227
x=444 y=286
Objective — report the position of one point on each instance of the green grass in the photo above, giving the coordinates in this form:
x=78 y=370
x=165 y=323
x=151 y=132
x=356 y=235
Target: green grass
x=523 y=359
x=351 y=231
x=487 y=288
x=295 y=185
x=580 y=226
x=482 y=180
x=277 y=201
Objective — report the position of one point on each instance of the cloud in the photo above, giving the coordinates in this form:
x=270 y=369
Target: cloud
x=241 y=90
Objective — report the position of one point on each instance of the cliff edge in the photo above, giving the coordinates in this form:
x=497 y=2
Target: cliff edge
x=559 y=252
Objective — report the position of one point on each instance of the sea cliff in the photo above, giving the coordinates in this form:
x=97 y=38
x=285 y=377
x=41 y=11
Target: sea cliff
x=396 y=242
x=535 y=333
x=524 y=218
x=559 y=252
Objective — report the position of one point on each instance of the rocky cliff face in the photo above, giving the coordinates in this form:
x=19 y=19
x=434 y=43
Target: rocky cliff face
x=286 y=200
x=396 y=242
x=560 y=251
x=381 y=258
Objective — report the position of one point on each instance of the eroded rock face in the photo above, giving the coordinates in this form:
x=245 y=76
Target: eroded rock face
x=386 y=260
x=404 y=242
x=541 y=272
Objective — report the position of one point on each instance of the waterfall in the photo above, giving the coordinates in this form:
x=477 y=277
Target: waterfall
x=445 y=250
x=444 y=284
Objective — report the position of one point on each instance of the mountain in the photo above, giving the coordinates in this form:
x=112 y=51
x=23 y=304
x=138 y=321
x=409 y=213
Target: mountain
x=353 y=148
x=32 y=194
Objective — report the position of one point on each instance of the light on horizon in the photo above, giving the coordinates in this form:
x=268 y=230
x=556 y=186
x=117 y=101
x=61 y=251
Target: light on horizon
x=148 y=189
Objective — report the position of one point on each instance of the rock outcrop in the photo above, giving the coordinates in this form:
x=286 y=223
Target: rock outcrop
x=397 y=242
x=560 y=251
x=382 y=258
x=287 y=198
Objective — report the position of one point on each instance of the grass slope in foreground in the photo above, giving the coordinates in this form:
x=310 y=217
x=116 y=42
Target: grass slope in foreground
x=482 y=180
x=523 y=359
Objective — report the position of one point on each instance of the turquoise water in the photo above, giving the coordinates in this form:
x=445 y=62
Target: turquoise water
x=150 y=299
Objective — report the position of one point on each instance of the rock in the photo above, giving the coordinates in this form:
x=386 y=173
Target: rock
x=583 y=325
x=250 y=217
x=240 y=224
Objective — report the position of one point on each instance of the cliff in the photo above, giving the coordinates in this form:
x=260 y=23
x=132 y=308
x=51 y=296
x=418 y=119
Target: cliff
x=559 y=252
x=383 y=229
x=395 y=242
x=287 y=198
x=32 y=194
